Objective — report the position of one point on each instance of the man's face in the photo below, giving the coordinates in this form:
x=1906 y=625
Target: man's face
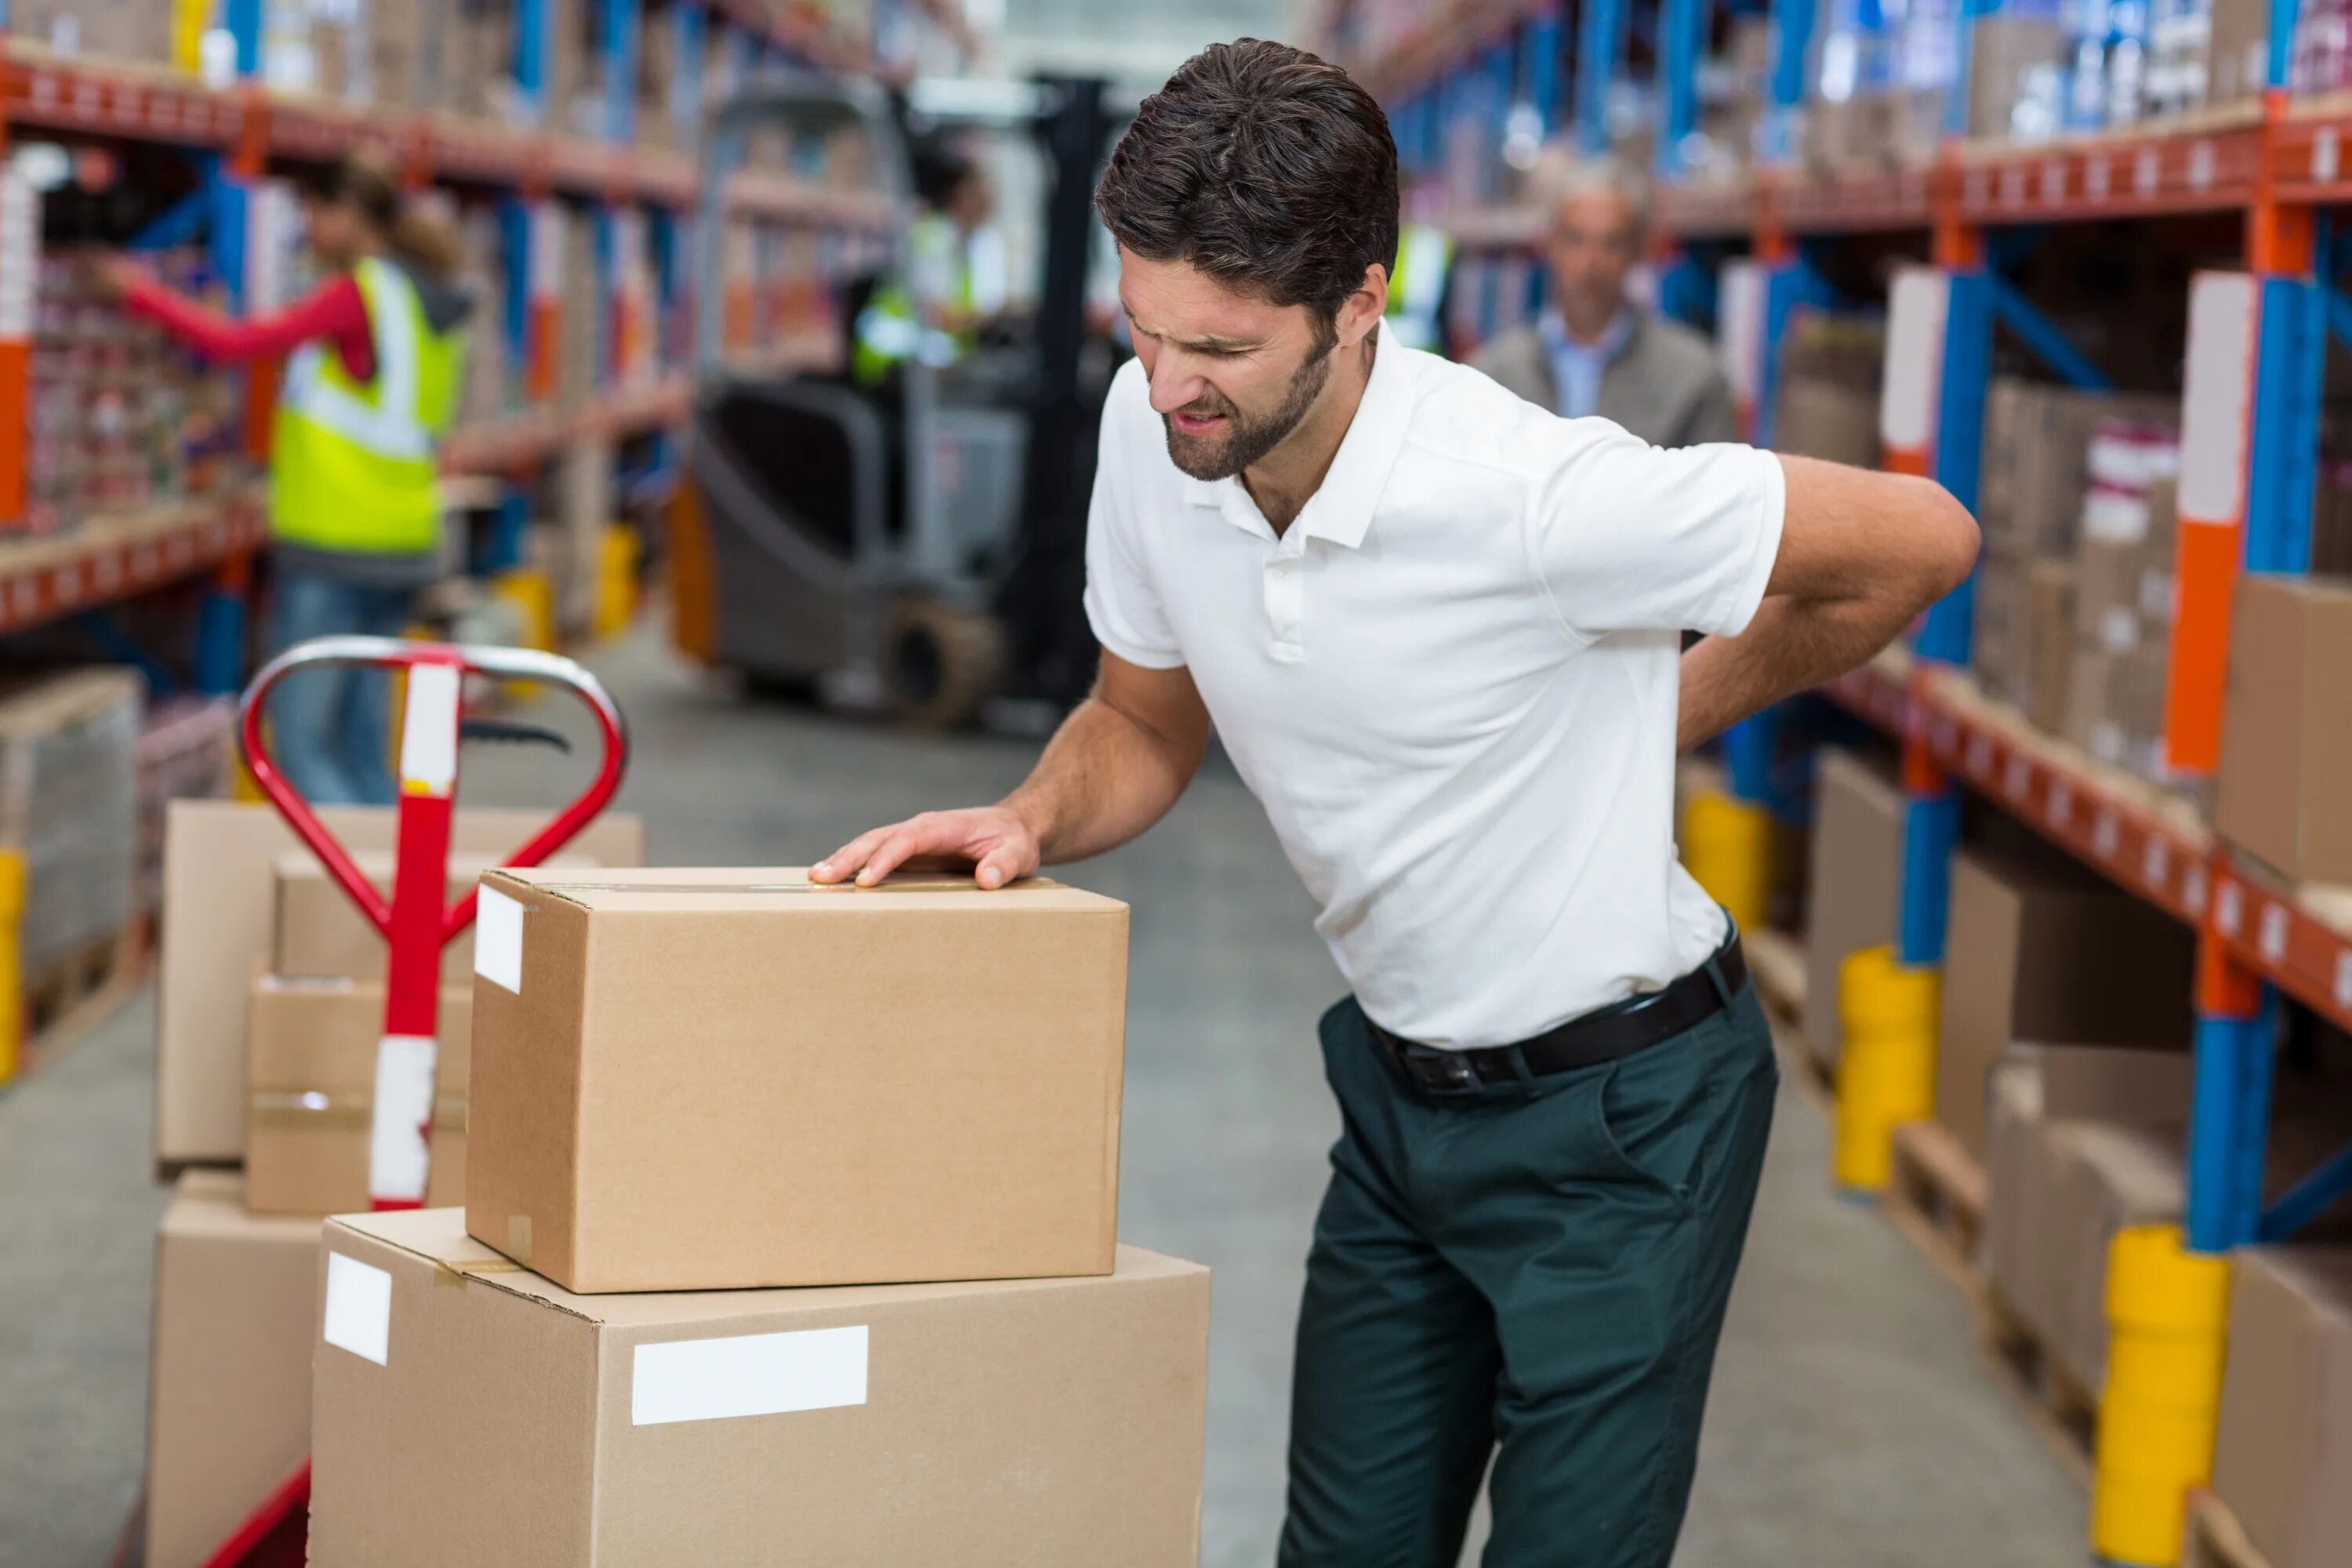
x=1230 y=375
x=1593 y=246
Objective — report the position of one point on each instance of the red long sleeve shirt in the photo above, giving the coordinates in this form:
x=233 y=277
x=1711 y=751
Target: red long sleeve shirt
x=333 y=312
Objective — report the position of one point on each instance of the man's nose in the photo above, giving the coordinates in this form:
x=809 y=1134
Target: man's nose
x=1173 y=384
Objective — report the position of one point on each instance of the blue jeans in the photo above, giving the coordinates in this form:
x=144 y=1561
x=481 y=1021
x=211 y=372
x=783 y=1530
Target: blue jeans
x=330 y=726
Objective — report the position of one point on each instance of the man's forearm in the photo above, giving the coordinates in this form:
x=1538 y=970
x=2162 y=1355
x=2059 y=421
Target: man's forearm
x=1791 y=646
x=1103 y=779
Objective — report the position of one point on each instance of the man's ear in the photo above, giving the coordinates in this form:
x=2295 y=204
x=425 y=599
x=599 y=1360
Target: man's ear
x=1360 y=310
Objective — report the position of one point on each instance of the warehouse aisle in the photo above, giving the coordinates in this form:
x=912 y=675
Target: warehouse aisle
x=1850 y=1424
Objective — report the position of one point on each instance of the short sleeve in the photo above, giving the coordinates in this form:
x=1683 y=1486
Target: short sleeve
x=1625 y=536
x=1122 y=604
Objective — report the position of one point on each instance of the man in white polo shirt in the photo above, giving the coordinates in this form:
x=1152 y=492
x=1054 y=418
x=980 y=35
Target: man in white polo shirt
x=1439 y=629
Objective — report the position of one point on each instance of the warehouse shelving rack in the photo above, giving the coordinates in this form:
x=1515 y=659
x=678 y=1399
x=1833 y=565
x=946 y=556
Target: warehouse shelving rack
x=2257 y=342
x=236 y=132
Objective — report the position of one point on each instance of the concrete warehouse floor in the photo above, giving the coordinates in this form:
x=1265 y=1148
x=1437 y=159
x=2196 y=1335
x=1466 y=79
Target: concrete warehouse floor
x=1851 y=1426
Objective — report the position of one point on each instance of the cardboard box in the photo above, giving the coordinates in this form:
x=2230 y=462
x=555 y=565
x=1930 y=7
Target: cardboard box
x=321 y=933
x=2237 y=59
x=1997 y=649
x=311 y=1072
x=2038 y=949
x=794 y=1085
x=2283 y=1457
x=469 y=1415
x=230 y=1408
x=2106 y=1176
x=1855 y=880
x=2049 y=642
x=2286 y=733
x=2002 y=49
x=219 y=912
x=2034 y=474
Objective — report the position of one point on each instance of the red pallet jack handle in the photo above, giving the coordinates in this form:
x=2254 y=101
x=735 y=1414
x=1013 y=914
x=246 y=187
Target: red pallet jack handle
x=416 y=920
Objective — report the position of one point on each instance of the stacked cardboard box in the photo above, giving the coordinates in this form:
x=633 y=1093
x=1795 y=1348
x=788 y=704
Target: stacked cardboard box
x=2035 y=494
x=2286 y=735
x=135 y=30
x=2014 y=68
x=1827 y=404
x=271 y=1011
x=1854 y=882
x=725 y=1088
x=2037 y=948
x=580 y=327
x=2124 y=597
x=2282 y=1461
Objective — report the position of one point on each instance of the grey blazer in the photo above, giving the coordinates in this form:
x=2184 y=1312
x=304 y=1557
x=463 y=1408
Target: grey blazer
x=1664 y=384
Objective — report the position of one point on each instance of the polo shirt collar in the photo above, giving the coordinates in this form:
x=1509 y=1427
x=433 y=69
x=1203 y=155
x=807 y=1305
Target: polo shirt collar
x=1341 y=508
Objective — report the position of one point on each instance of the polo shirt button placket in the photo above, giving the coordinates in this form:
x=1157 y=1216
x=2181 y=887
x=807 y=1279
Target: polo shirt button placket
x=1285 y=601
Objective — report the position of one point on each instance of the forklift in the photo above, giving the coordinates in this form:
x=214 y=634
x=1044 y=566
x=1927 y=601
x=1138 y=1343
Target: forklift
x=915 y=549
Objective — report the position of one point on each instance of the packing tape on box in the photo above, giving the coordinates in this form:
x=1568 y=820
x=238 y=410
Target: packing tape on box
x=449 y=1271
x=942 y=884
x=343 y=1111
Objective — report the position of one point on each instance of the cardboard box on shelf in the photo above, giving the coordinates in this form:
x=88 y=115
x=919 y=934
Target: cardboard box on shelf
x=1855 y=882
x=229 y=1407
x=2038 y=949
x=793 y=1085
x=469 y=1411
x=2283 y=1461
x=1997 y=644
x=2001 y=50
x=2286 y=733
x=2115 y=706
x=2036 y=474
x=2237 y=59
x=310 y=1071
x=218 y=929
x=2049 y=642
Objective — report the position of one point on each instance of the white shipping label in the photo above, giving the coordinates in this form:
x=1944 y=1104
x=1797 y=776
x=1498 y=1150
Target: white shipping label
x=399 y=1158
x=358 y=1307
x=497 y=940
x=20 y=257
x=747 y=1374
x=428 y=729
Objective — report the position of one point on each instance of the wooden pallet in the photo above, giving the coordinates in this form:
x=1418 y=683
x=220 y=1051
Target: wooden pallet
x=2052 y=1399
x=1937 y=1197
x=2215 y=1539
x=72 y=995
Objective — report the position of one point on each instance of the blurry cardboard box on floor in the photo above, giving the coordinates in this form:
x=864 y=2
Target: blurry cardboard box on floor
x=1855 y=880
x=230 y=1404
x=310 y=1074
x=219 y=922
x=2037 y=948
x=2286 y=734
x=469 y=1411
x=709 y=1078
x=2282 y=1461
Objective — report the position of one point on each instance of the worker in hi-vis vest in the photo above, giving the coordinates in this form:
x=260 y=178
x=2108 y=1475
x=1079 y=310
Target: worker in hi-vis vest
x=375 y=359
x=954 y=279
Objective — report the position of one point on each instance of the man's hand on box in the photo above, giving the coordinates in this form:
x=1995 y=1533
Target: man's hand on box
x=992 y=839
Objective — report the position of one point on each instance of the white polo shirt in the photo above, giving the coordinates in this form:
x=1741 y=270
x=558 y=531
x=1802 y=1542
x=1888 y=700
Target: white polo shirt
x=1452 y=682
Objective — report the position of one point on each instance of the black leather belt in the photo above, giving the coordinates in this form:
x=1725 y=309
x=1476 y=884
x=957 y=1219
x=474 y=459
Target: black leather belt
x=1581 y=1042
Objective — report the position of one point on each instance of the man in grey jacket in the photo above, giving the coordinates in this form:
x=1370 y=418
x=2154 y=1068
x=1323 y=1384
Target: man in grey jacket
x=1594 y=350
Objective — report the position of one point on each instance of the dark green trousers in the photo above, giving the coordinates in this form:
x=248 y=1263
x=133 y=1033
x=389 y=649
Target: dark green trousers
x=1536 y=1272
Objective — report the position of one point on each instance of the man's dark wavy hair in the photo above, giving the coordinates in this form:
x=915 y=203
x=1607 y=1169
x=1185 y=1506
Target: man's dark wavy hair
x=1266 y=167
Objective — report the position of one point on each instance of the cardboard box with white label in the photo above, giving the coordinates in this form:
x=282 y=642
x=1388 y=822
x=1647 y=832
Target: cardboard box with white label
x=237 y=1302
x=219 y=927
x=311 y=1067
x=466 y=1410
x=690 y=1080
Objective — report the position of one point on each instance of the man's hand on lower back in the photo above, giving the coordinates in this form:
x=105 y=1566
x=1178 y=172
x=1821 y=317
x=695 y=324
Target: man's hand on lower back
x=992 y=839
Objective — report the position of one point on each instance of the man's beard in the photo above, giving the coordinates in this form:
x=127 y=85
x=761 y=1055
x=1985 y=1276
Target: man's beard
x=1245 y=441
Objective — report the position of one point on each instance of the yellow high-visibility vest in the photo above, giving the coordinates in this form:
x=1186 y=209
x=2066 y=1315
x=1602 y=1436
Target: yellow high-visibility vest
x=352 y=463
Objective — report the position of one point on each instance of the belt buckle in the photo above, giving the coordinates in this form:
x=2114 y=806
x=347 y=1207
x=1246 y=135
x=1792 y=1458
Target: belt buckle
x=1440 y=1072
